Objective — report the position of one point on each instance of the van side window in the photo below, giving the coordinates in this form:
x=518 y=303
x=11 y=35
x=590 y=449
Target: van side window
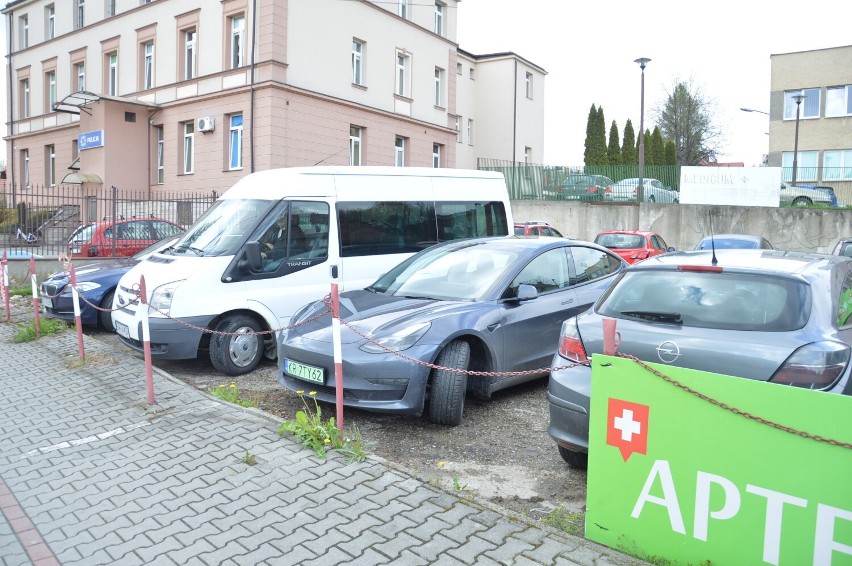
x=457 y=220
x=378 y=228
x=296 y=230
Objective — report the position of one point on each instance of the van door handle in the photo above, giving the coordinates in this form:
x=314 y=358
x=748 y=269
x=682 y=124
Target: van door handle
x=568 y=302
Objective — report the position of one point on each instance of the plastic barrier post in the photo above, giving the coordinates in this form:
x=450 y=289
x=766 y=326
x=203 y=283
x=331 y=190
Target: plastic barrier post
x=338 y=351
x=146 y=342
x=3 y=261
x=77 y=322
x=36 y=308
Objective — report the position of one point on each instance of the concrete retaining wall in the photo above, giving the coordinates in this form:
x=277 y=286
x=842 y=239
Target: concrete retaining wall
x=683 y=225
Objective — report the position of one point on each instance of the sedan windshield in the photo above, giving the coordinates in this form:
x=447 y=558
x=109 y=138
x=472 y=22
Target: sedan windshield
x=462 y=274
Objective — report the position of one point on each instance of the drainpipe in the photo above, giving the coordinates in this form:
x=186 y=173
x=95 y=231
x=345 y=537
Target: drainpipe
x=10 y=167
x=515 y=131
x=251 y=98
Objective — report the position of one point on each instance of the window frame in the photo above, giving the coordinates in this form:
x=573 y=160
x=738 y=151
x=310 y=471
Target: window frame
x=188 y=146
x=80 y=75
x=439 y=18
x=50 y=93
x=356 y=145
x=439 y=87
x=809 y=109
x=147 y=64
x=111 y=71
x=528 y=84
x=402 y=9
x=237 y=40
x=25 y=97
x=458 y=129
x=399 y=152
x=161 y=147
x=843 y=167
x=23 y=31
x=844 y=102
x=470 y=131
x=235 y=141
x=50 y=164
x=79 y=14
x=50 y=21
x=436 y=155
x=25 y=161
x=403 y=74
x=807 y=165
x=358 y=61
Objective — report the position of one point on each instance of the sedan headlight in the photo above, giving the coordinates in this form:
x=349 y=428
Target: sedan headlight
x=86 y=286
x=161 y=298
x=398 y=341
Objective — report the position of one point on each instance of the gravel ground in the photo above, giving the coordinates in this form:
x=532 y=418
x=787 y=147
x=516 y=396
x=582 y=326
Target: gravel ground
x=500 y=452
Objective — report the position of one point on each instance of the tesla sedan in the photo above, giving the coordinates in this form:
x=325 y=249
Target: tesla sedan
x=484 y=305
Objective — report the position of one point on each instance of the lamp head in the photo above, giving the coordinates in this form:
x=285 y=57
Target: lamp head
x=642 y=62
x=798 y=98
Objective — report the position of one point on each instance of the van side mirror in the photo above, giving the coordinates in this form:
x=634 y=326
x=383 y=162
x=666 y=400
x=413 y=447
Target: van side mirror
x=253 y=257
x=527 y=292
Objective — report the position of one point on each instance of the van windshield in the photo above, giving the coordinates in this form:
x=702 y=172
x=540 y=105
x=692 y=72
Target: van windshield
x=223 y=228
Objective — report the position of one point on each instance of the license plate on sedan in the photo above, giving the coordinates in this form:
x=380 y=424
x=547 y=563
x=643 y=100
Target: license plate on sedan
x=304 y=371
x=121 y=329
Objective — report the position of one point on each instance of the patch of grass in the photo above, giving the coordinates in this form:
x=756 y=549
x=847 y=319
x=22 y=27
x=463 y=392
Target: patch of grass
x=321 y=435
x=49 y=327
x=571 y=522
x=231 y=394
x=249 y=459
x=95 y=359
x=21 y=291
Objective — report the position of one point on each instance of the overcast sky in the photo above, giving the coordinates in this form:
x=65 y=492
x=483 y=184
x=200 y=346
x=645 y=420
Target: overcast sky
x=588 y=50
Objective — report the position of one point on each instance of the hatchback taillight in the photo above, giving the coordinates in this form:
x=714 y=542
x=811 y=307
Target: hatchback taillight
x=814 y=366
x=570 y=345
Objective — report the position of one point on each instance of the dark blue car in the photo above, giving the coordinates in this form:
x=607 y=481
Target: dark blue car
x=96 y=283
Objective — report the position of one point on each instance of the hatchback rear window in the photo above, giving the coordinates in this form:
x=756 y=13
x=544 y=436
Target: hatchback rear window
x=724 y=301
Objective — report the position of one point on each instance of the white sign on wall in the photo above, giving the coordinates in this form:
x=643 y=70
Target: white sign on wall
x=733 y=186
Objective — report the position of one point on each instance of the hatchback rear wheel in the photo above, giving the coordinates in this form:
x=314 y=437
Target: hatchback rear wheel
x=579 y=460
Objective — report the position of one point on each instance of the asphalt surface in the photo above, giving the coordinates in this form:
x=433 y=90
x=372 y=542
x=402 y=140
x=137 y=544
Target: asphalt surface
x=91 y=473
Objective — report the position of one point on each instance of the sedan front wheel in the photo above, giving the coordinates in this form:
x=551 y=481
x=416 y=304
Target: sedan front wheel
x=446 y=398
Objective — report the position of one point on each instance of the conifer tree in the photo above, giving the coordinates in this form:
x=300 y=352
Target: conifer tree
x=671 y=153
x=613 y=151
x=658 y=156
x=628 y=145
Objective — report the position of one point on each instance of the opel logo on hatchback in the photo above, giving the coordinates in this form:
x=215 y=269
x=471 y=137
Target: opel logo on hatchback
x=668 y=352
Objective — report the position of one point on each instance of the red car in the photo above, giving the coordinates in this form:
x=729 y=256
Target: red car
x=633 y=245
x=536 y=228
x=119 y=238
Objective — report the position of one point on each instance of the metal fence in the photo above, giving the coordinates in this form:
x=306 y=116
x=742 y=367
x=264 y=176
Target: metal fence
x=40 y=219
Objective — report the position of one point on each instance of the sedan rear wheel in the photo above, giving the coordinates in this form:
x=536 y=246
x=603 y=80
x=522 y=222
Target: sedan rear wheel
x=446 y=399
x=577 y=460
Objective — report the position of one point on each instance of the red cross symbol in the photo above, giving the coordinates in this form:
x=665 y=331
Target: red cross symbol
x=627 y=427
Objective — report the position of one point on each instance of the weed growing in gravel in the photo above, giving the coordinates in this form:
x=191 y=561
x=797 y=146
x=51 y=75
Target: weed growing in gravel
x=249 y=459
x=320 y=435
x=571 y=522
x=49 y=326
x=457 y=485
x=94 y=359
x=231 y=394
x=21 y=291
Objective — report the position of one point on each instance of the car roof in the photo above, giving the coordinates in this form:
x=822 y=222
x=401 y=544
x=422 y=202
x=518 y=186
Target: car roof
x=781 y=262
x=521 y=243
x=631 y=232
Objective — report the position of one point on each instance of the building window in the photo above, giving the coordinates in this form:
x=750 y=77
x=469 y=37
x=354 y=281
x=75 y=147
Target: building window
x=235 y=145
x=50 y=90
x=50 y=164
x=25 y=98
x=469 y=132
x=809 y=107
x=403 y=63
x=471 y=73
x=24 y=29
x=459 y=68
x=837 y=165
x=402 y=8
x=50 y=21
x=188 y=149
x=112 y=74
x=399 y=152
x=25 y=166
x=161 y=146
x=806 y=165
x=436 y=155
x=838 y=101
x=527 y=155
x=110 y=8
x=80 y=72
x=458 y=129
x=188 y=61
x=357 y=62
x=238 y=24
x=147 y=65
x=528 y=82
x=439 y=86
x=79 y=14
x=439 y=18
x=355 y=145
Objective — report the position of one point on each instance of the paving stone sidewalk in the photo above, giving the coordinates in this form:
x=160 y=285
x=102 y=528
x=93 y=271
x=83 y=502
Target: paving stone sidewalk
x=90 y=473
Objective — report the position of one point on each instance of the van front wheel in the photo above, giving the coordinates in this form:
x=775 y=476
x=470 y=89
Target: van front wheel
x=238 y=349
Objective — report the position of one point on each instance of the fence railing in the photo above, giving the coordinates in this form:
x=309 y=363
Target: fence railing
x=40 y=219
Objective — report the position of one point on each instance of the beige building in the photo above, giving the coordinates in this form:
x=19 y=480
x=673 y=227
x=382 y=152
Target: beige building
x=824 y=78
x=194 y=94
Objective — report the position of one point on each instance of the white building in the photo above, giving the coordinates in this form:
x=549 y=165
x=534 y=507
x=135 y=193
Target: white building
x=194 y=94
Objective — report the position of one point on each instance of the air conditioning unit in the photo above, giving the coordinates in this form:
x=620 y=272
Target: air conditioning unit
x=206 y=124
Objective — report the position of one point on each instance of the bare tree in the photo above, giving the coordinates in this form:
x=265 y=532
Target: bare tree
x=687 y=118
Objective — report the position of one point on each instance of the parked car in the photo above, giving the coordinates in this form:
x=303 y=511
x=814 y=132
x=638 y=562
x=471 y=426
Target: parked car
x=803 y=196
x=487 y=304
x=843 y=247
x=831 y=194
x=774 y=316
x=586 y=188
x=536 y=228
x=653 y=190
x=633 y=245
x=733 y=241
x=96 y=283
x=119 y=238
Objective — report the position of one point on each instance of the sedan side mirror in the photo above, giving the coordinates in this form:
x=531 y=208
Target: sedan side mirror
x=671 y=249
x=527 y=292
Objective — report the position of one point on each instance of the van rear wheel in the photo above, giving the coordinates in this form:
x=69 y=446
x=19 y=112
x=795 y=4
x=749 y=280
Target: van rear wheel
x=238 y=349
x=446 y=397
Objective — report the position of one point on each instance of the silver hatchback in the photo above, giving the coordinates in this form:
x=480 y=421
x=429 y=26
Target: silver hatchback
x=769 y=315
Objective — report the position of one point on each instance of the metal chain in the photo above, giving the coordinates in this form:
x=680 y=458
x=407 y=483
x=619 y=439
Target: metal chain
x=736 y=411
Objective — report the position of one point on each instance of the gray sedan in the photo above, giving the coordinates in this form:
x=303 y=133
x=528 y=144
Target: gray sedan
x=488 y=304
x=778 y=316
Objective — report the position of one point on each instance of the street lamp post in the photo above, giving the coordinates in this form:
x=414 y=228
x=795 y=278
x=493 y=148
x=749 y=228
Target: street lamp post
x=643 y=61
x=798 y=98
x=753 y=110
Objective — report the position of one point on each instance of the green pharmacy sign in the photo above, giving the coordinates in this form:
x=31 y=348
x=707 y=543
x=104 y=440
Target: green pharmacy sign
x=717 y=470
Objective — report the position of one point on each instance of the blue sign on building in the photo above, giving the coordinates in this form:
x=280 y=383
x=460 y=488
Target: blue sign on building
x=90 y=140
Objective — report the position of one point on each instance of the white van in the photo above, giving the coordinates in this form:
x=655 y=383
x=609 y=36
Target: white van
x=228 y=275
